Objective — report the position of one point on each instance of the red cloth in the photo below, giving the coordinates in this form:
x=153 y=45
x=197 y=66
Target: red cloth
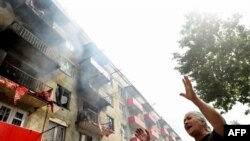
x=7 y=83
x=11 y=84
x=20 y=91
x=46 y=95
x=9 y=132
x=2 y=81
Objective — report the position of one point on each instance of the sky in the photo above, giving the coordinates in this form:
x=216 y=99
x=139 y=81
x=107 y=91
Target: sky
x=139 y=37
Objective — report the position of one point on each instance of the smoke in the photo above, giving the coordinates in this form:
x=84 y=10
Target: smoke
x=42 y=41
x=6 y=15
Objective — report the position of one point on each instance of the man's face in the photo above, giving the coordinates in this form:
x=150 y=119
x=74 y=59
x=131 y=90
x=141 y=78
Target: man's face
x=192 y=125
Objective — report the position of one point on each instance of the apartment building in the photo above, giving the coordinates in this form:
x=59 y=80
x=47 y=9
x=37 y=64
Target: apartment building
x=56 y=85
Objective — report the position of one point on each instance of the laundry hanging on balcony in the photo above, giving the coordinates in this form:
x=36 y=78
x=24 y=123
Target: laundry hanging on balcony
x=20 y=91
x=47 y=95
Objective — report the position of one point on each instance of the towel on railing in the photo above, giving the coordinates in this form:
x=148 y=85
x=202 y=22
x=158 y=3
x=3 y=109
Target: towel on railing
x=18 y=89
x=47 y=95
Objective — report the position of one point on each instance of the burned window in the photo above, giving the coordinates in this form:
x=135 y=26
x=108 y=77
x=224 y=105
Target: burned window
x=109 y=99
x=110 y=123
x=62 y=96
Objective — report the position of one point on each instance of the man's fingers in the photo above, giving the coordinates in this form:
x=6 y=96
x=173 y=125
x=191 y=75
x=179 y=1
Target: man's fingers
x=187 y=81
x=137 y=136
x=183 y=80
x=139 y=131
x=182 y=94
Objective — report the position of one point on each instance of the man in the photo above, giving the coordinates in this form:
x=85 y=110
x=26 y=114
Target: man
x=195 y=122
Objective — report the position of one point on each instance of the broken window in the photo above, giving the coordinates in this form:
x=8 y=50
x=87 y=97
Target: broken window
x=110 y=123
x=62 y=96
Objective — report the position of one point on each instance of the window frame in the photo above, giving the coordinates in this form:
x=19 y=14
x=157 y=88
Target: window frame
x=12 y=114
x=67 y=67
x=59 y=96
x=110 y=122
x=122 y=109
x=55 y=129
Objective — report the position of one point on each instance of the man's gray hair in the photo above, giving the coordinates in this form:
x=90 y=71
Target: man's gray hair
x=200 y=116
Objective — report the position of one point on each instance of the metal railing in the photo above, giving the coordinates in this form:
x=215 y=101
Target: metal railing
x=88 y=115
x=34 y=41
x=18 y=76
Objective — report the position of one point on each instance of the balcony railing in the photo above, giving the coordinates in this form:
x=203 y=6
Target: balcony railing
x=154 y=135
x=88 y=120
x=12 y=77
x=164 y=132
x=95 y=98
x=88 y=115
x=95 y=75
x=134 y=105
x=150 y=119
x=34 y=41
x=18 y=76
x=136 y=122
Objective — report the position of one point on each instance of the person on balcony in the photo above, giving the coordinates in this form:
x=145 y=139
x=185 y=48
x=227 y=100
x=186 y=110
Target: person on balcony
x=195 y=122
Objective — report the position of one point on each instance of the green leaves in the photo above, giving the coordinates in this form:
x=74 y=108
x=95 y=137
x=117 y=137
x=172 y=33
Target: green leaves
x=217 y=56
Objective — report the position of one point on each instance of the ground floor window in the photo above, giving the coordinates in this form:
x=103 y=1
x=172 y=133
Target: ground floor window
x=55 y=132
x=12 y=115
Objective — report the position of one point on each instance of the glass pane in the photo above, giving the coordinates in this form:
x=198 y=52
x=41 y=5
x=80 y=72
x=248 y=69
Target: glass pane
x=17 y=120
x=50 y=133
x=4 y=113
x=83 y=138
x=19 y=115
x=59 y=135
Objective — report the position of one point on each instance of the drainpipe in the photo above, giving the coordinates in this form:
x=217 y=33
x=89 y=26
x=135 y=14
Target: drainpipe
x=46 y=115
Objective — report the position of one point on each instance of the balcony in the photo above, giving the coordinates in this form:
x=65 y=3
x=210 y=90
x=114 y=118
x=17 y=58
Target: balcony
x=131 y=91
x=40 y=20
x=25 y=46
x=134 y=105
x=94 y=74
x=154 y=135
x=163 y=123
x=9 y=132
x=164 y=132
x=148 y=107
x=34 y=41
x=136 y=122
x=17 y=76
x=172 y=138
x=150 y=120
x=87 y=120
x=91 y=95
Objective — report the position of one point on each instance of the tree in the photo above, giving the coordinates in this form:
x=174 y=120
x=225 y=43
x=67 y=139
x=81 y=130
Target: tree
x=217 y=56
x=234 y=122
